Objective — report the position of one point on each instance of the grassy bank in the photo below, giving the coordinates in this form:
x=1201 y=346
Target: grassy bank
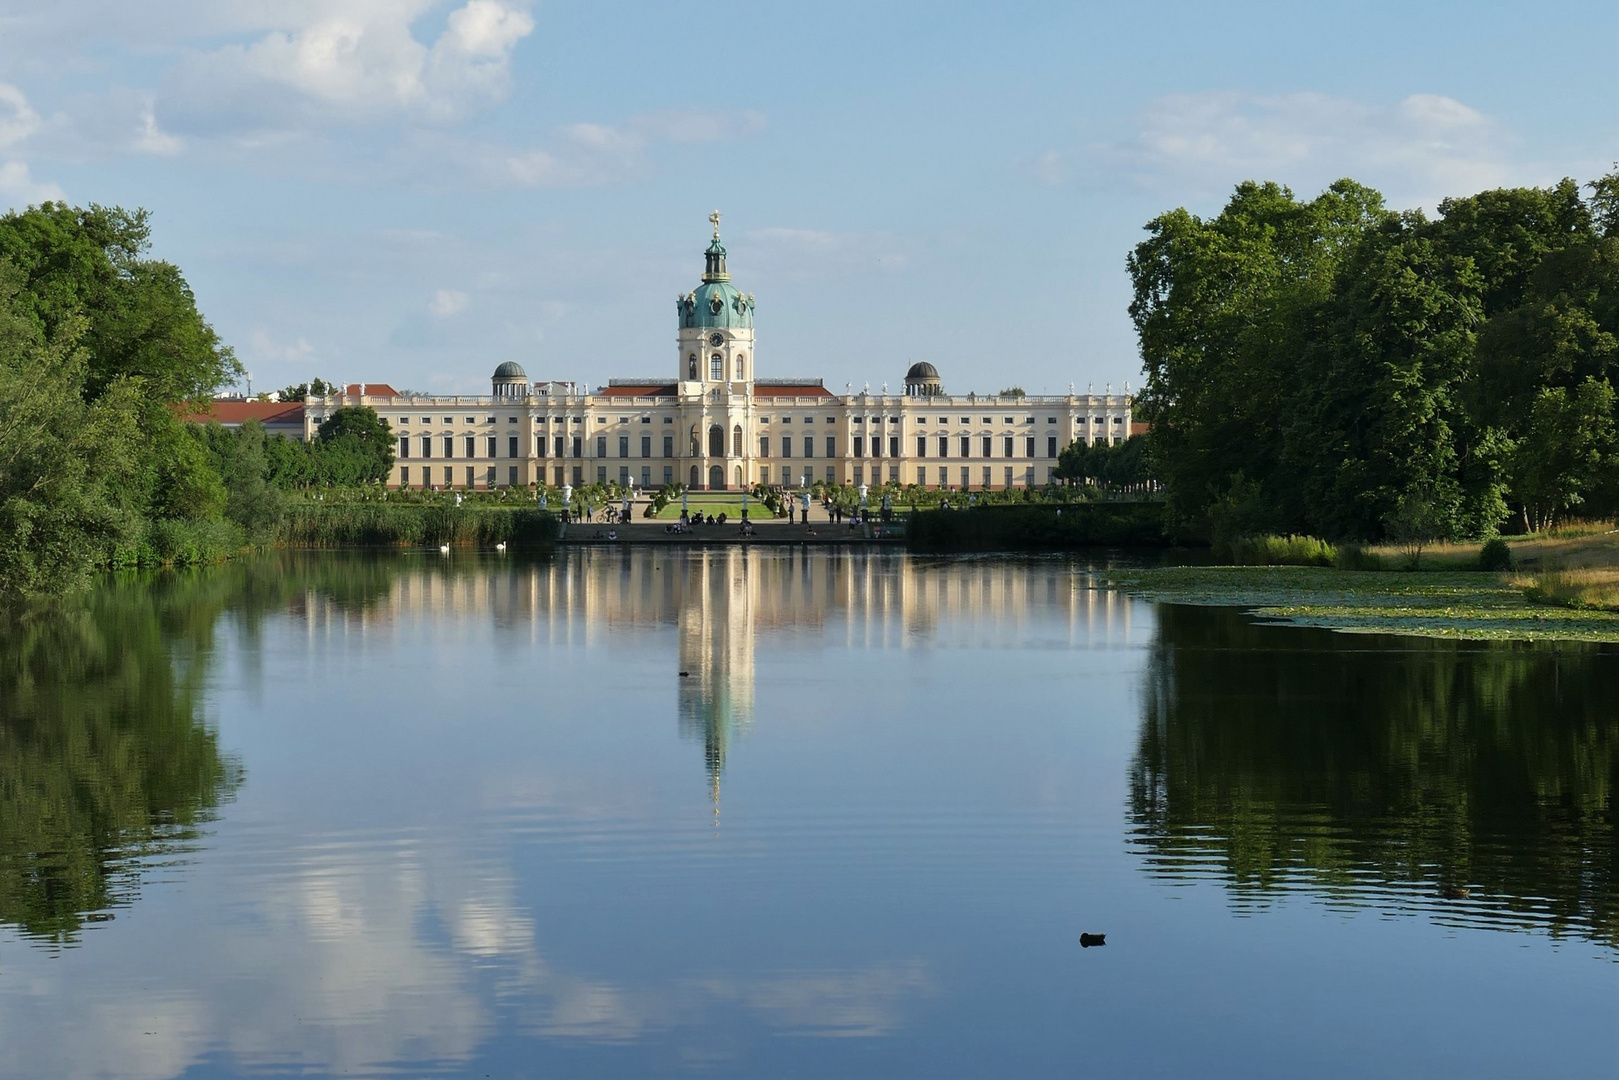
x=1037 y=527
x=395 y=524
x=1425 y=603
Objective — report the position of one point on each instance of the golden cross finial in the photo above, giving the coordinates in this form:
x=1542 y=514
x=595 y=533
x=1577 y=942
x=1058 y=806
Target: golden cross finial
x=715 y=218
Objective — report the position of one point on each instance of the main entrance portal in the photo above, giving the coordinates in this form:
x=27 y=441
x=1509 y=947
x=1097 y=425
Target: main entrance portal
x=716 y=478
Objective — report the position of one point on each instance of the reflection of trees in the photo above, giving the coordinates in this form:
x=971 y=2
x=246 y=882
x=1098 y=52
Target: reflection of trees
x=1474 y=780
x=106 y=763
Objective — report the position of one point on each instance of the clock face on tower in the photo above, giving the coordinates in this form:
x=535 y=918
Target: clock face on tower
x=716 y=340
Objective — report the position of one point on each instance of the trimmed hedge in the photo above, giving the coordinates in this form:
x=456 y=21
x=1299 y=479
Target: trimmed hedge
x=1036 y=527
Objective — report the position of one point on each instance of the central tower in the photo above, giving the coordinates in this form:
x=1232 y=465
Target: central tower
x=716 y=328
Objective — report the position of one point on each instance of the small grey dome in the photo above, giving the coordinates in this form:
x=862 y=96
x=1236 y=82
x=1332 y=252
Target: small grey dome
x=510 y=370
x=921 y=370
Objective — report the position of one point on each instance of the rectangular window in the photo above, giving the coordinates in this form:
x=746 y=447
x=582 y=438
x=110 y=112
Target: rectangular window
x=427 y=446
x=601 y=450
x=404 y=476
x=922 y=476
x=921 y=446
x=511 y=475
x=1007 y=447
x=601 y=474
x=1051 y=446
x=1028 y=446
x=831 y=446
x=623 y=476
x=944 y=446
x=511 y=446
x=876 y=446
x=646 y=446
x=893 y=474
x=623 y=446
x=668 y=474
x=539 y=446
x=404 y=446
x=471 y=482
x=859 y=446
x=989 y=446
x=964 y=481
x=831 y=473
x=786 y=446
x=809 y=446
x=966 y=446
x=449 y=476
x=472 y=448
x=493 y=444
x=489 y=473
x=764 y=475
x=859 y=475
x=578 y=450
x=893 y=446
x=987 y=473
x=716 y=368
x=764 y=446
x=668 y=446
x=578 y=476
x=559 y=445
x=646 y=476
x=1008 y=476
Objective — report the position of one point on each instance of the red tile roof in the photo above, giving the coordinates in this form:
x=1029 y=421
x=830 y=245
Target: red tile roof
x=237 y=412
x=371 y=389
x=661 y=390
x=1138 y=427
x=792 y=391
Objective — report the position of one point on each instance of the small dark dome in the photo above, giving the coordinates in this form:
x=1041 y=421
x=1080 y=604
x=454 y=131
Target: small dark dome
x=510 y=370
x=921 y=370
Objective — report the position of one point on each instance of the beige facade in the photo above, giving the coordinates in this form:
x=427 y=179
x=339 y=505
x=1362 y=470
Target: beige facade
x=714 y=425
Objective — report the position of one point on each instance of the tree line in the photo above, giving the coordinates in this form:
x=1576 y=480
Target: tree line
x=1338 y=368
x=102 y=350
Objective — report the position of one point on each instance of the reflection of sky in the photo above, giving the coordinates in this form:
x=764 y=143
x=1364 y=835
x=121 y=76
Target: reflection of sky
x=474 y=839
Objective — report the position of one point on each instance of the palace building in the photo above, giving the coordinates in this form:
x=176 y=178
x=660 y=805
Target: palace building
x=715 y=424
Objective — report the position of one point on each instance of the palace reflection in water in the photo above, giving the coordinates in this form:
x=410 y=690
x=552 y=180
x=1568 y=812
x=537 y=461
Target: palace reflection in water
x=402 y=814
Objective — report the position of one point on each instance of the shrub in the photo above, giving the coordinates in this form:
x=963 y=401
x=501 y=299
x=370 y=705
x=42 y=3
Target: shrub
x=1277 y=551
x=1495 y=555
x=1355 y=557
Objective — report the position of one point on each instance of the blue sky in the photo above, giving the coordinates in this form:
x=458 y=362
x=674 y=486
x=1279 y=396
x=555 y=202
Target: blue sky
x=414 y=191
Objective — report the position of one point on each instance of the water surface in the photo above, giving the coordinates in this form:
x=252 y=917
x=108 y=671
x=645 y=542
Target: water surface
x=788 y=813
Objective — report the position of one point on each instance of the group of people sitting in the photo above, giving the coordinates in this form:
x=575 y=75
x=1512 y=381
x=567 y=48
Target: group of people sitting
x=686 y=523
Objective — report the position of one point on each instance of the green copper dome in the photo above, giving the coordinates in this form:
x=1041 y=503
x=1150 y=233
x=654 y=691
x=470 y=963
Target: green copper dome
x=716 y=303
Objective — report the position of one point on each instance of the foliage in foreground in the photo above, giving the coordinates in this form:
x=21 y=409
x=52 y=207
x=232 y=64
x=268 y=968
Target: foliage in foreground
x=1331 y=367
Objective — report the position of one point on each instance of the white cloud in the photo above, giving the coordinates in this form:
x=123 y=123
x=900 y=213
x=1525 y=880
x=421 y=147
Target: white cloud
x=18 y=188
x=1418 y=149
x=1049 y=168
x=263 y=345
x=447 y=302
x=802 y=253
x=345 y=62
x=17 y=119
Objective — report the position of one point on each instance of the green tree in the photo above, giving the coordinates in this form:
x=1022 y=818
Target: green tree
x=1567 y=448
x=64 y=500
x=353 y=446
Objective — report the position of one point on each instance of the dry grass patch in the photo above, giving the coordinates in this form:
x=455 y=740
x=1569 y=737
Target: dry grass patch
x=1596 y=590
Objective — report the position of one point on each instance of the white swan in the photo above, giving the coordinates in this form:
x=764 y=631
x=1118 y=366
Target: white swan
x=444 y=549
x=501 y=546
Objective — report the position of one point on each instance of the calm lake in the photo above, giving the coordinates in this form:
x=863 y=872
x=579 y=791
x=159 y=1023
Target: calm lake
x=789 y=813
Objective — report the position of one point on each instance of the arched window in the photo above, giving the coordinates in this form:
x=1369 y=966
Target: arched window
x=736 y=440
x=716 y=441
x=694 y=474
x=691 y=366
x=739 y=357
x=716 y=367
